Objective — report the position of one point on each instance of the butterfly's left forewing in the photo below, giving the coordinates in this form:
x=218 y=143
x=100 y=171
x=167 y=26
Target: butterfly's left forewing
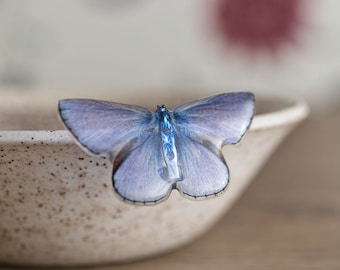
x=104 y=128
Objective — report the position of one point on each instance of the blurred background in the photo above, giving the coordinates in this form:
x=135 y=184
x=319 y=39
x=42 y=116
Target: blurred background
x=277 y=46
x=290 y=216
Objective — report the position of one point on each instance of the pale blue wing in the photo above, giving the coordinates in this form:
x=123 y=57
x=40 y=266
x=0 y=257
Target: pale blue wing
x=204 y=171
x=137 y=178
x=220 y=119
x=105 y=127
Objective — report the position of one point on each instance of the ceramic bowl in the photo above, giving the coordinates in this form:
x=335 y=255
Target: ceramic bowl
x=57 y=204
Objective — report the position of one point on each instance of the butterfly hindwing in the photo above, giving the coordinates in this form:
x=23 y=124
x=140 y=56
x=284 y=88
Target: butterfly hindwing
x=103 y=128
x=204 y=170
x=138 y=177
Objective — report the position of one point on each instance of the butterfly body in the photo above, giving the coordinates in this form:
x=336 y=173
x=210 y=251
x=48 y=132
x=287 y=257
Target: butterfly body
x=155 y=152
x=171 y=171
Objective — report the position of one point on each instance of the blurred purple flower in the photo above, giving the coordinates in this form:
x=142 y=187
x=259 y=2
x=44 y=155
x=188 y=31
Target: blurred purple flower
x=259 y=25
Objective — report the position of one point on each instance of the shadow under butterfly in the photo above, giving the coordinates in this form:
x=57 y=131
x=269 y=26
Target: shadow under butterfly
x=155 y=152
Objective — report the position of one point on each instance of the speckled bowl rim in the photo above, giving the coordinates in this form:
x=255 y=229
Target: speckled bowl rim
x=293 y=113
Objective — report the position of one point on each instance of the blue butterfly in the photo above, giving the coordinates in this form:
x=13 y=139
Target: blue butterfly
x=155 y=152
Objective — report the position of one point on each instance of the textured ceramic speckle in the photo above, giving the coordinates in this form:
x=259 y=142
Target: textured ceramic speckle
x=57 y=205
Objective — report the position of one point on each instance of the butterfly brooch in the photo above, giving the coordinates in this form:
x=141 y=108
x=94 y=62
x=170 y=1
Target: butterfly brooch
x=155 y=152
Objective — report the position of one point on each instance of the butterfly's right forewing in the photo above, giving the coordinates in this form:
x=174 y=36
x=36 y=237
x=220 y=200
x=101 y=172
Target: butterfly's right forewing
x=220 y=119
